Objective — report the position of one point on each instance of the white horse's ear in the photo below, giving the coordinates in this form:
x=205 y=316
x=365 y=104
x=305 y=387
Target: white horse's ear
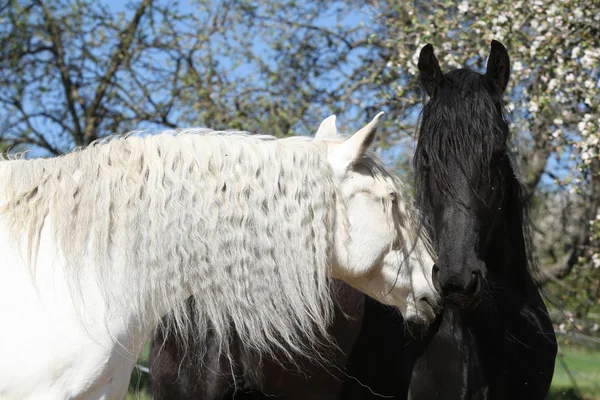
x=327 y=128
x=353 y=148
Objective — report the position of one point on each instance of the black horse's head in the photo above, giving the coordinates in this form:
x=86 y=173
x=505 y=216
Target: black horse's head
x=462 y=165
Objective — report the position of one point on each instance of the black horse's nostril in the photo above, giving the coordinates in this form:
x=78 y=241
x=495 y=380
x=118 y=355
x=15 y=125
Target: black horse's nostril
x=459 y=288
x=474 y=285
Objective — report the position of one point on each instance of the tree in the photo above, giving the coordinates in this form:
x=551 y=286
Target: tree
x=60 y=61
x=75 y=71
x=554 y=96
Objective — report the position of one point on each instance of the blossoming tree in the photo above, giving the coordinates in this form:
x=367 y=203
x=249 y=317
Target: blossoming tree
x=554 y=98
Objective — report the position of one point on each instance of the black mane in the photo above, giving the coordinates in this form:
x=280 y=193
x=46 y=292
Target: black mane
x=466 y=118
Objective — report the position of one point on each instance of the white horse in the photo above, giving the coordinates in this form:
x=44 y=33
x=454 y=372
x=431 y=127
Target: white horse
x=98 y=245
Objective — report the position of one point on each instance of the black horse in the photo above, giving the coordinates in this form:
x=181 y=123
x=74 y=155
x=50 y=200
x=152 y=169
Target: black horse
x=496 y=327
x=495 y=339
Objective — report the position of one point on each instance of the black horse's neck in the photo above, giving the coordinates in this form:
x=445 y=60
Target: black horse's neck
x=499 y=349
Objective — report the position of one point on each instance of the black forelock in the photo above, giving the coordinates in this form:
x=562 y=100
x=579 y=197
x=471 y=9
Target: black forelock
x=465 y=120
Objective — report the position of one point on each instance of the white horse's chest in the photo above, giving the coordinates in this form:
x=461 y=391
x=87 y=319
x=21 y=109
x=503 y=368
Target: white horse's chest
x=45 y=352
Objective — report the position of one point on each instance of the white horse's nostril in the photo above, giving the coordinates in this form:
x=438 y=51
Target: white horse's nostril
x=428 y=302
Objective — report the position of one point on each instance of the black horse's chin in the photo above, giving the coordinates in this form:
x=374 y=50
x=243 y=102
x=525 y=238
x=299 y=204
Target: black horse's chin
x=461 y=302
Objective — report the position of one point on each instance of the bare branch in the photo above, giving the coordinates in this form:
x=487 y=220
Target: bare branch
x=40 y=139
x=70 y=90
x=117 y=59
x=562 y=268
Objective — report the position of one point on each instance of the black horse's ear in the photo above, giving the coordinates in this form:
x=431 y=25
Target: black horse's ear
x=430 y=73
x=498 y=66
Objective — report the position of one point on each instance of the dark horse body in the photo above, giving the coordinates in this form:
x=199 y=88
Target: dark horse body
x=176 y=372
x=495 y=339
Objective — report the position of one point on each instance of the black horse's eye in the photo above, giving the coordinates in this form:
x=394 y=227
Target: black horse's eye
x=423 y=162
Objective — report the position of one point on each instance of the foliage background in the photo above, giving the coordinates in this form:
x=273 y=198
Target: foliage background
x=73 y=71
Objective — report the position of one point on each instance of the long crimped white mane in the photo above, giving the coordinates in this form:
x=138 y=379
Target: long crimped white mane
x=243 y=223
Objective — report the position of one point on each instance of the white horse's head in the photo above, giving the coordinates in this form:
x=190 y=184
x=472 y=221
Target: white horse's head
x=379 y=249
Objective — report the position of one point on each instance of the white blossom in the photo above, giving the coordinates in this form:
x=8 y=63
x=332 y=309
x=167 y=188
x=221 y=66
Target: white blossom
x=589 y=84
x=587 y=61
x=556 y=134
x=517 y=66
x=412 y=66
x=586 y=156
x=533 y=107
